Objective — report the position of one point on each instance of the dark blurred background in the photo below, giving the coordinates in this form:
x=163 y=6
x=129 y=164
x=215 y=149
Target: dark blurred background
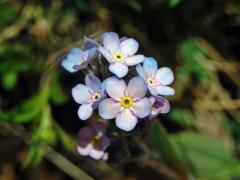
x=198 y=139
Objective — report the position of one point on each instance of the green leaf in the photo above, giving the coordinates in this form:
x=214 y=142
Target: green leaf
x=181 y=116
x=158 y=139
x=205 y=156
x=174 y=2
x=34 y=156
x=9 y=79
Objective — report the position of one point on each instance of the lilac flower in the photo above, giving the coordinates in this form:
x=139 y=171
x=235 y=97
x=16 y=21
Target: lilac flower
x=126 y=103
x=93 y=141
x=88 y=95
x=159 y=105
x=156 y=79
x=79 y=59
x=120 y=53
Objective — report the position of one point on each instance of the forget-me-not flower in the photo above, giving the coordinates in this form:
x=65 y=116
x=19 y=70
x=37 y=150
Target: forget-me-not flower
x=93 y=141
x=79 y=59
x=156 y=79
x=88 y=95
x=126 y=103
x=120 y=53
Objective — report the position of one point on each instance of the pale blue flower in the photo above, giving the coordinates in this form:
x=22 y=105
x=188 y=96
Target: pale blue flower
x=79 y=59
x=120 y=53
x=88 y=95
x=157 y=80
x=126 y=103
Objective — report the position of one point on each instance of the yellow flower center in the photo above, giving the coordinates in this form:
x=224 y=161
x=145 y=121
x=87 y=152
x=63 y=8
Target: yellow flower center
x=95 y=96
x=126 y=102
x=118 y=56
x=95 y=140
x=150 y=81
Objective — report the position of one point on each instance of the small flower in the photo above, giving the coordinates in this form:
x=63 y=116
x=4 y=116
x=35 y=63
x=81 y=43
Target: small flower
x=156 y=79
x=159 y=105
x=79 y=59
x=93 y=141
x=120 y=53
x=127 y=103
x=88 y=95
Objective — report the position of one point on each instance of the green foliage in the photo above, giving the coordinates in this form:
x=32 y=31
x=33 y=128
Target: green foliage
x=9 y=80
x=181 y=116
x=174 y=2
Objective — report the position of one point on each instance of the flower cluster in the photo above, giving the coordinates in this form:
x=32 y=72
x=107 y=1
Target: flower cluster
x=128 y=103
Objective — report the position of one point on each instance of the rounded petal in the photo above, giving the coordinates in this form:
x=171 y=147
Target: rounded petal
x=141 y=72
x=68 y=65
x=99 y=128
x=111 y=41
x=81 y=94
x=108 y=108
x=84 y=149
x=96 y=154
x=165 y=90
x=129 y=46
x=86 y=133
x=93 y=83
x=106 y=54
x=85 y=111
x=90 y=54
x=126 y=120
x=152 y=91
x=164 y=76
x=105 y=142
x=115 y=88
x=161 y=105
x=136 y=88
x=150 y=66
x=142 y=108
x=105 y=157
x=119 y=69
x=133 y=60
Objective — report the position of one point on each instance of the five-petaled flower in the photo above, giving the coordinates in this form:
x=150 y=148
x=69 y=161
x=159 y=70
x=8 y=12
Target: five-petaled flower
x=88 y=95
x=126 y=103
x=120 y=53
x=93 y=141
x=79 y=59
x=156 y=79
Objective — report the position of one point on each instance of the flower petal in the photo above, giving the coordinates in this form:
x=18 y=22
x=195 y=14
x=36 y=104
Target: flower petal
x=99 y=128
x=152 y=91
x=96 y=154
x=81 y=94
x=90 y=43
x=68 y=65
x=165 y=90
x=86 y=133
x=85 y=111
x=90 y=54
x=129 y=46
x=160 y=105
x=150 y=66
x=111 y=41
x=136 y=88
x=126 y=120
x=133 y=60
x=164 y=76
x=108 y=108
x=84 y=149
x=119 y=69
x=93 y=83
x=106 y=54
x=142 y=108
x=141 y=72
x=115 y=88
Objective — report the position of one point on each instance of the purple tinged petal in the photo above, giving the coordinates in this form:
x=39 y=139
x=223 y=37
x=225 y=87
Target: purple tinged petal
x=81 y=94
x=111 y=41
x=129 y=46
x=85 y=111
x=90 y=54
x=106 y=54
x=93 y=83
x=99 y=128
x=164 y=76
x=150 y=66
x=115 y=88
x=105 y=142
x=136 y=88
x=108 y=108
x=141 y=72
x=119 y=69
x=160 y=105
x=134 y=60
x=105 y=157
x=164 y=90
x=90 y=43
x=86 y=133
x=142 y=108
x=96 y=154
x=126 y=120
x=84 y=150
